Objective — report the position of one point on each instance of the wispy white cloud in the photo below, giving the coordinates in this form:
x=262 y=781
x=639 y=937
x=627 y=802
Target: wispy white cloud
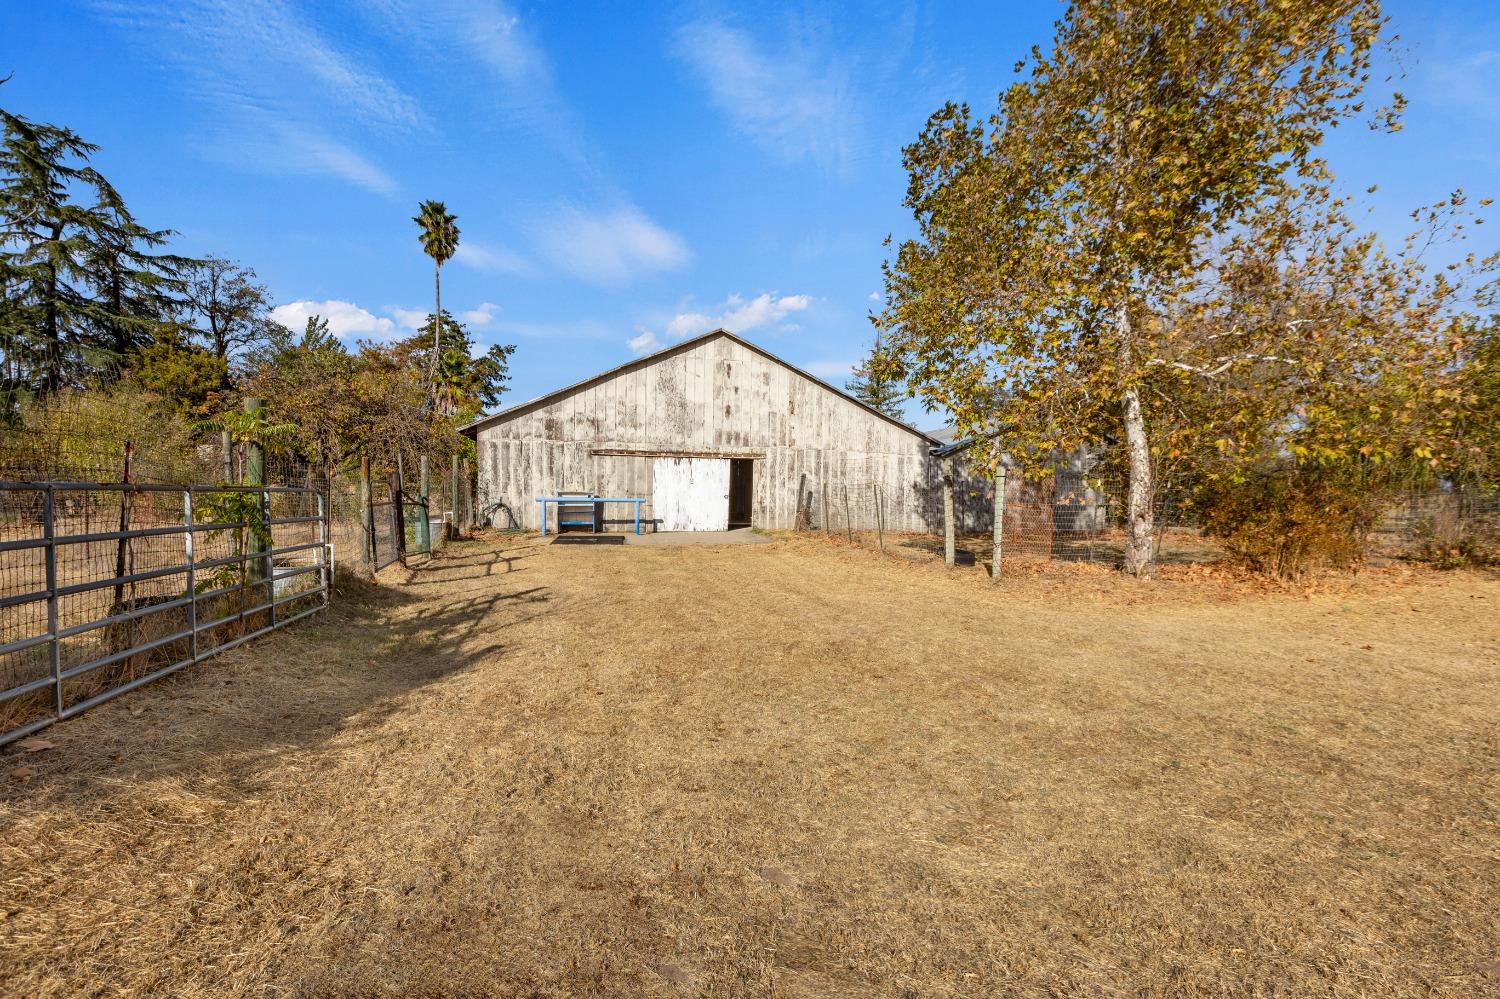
x=481 y=315
x=738 y=314
x=411 y=319
x=609 y=246
x=735 y=313
x=304 y=151
x=494 y=35
x=346 y=320
x=644 y=343
x=485 y=257
x=284 y=97
x=796 y=103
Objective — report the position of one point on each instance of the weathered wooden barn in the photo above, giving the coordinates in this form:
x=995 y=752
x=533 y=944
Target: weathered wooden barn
x=713 y=432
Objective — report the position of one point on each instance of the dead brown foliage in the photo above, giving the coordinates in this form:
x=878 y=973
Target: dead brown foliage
x=792 y=769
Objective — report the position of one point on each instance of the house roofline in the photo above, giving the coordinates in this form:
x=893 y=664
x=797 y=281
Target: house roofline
x=472 y=429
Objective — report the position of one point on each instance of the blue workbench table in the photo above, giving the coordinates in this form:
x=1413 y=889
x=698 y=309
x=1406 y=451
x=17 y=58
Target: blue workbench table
x=597 y=501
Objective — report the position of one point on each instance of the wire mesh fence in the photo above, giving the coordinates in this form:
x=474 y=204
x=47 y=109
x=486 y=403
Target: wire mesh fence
x=1446 y=524
x=1071 y=516
x=1065 y=517
x=104 y=587
x=1067 y=513
x=87 y=435
x=114 y=433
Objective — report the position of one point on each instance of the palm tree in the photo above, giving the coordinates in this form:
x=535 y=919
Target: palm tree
x=439 y=241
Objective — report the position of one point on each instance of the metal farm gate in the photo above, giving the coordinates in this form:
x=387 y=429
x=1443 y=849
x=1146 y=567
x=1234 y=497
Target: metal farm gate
x=105 y=587
x=384 y=530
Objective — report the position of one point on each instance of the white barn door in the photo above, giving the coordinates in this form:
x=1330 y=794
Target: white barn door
x=690 y=494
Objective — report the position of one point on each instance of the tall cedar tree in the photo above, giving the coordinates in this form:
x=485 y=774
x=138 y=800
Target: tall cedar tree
x=80 y=286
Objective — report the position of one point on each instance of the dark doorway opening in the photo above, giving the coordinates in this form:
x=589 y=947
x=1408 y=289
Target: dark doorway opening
x=741 y=491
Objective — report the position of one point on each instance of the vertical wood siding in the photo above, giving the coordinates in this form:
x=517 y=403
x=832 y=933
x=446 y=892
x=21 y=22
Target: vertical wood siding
x=715 y=396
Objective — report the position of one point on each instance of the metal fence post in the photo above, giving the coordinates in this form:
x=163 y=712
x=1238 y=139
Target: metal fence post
x=192 y=582
x=424 y=536
x=325 y=553
x=998 y=538
x=268 y=564
x=367 y=553
x=398 y=502
x=54 y=653
x=122 y=546
x=259 y=566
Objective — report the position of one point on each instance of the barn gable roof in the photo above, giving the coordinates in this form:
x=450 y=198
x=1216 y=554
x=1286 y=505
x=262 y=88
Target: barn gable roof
x=473 y=429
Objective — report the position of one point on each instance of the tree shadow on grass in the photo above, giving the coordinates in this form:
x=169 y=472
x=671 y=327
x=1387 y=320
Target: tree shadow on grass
x=222 y=722
x=468 y=565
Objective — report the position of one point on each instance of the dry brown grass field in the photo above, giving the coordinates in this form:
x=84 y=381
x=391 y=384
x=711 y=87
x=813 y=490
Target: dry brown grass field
x=796 y=769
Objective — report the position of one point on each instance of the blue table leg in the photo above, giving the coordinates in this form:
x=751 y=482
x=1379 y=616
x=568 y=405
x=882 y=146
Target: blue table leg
x=638 y=516
x=543 y=505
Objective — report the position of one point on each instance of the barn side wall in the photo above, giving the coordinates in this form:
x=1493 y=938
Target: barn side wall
x=716 y=398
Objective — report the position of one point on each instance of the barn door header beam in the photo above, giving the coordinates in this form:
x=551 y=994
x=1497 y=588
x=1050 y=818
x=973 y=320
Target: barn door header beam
x=664 y=452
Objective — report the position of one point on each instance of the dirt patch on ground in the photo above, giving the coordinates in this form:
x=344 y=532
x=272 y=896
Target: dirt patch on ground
x=788 y=769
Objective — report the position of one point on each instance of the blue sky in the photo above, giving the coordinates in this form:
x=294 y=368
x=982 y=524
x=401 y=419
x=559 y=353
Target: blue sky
x=622 y=177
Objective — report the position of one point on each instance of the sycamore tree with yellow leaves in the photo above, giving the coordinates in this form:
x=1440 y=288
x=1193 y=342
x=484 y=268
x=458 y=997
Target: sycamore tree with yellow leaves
x=1055 y=236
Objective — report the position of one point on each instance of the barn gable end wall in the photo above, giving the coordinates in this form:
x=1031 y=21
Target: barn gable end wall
x=715 y=396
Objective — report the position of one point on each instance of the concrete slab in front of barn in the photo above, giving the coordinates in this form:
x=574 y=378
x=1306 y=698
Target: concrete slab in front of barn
x=738 y=536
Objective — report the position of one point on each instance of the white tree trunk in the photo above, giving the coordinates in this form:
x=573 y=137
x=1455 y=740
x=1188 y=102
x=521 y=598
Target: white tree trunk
x=1140 y=550
x=1139 y=529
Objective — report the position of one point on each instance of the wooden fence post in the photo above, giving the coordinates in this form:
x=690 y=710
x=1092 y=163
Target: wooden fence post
x=948 y=546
